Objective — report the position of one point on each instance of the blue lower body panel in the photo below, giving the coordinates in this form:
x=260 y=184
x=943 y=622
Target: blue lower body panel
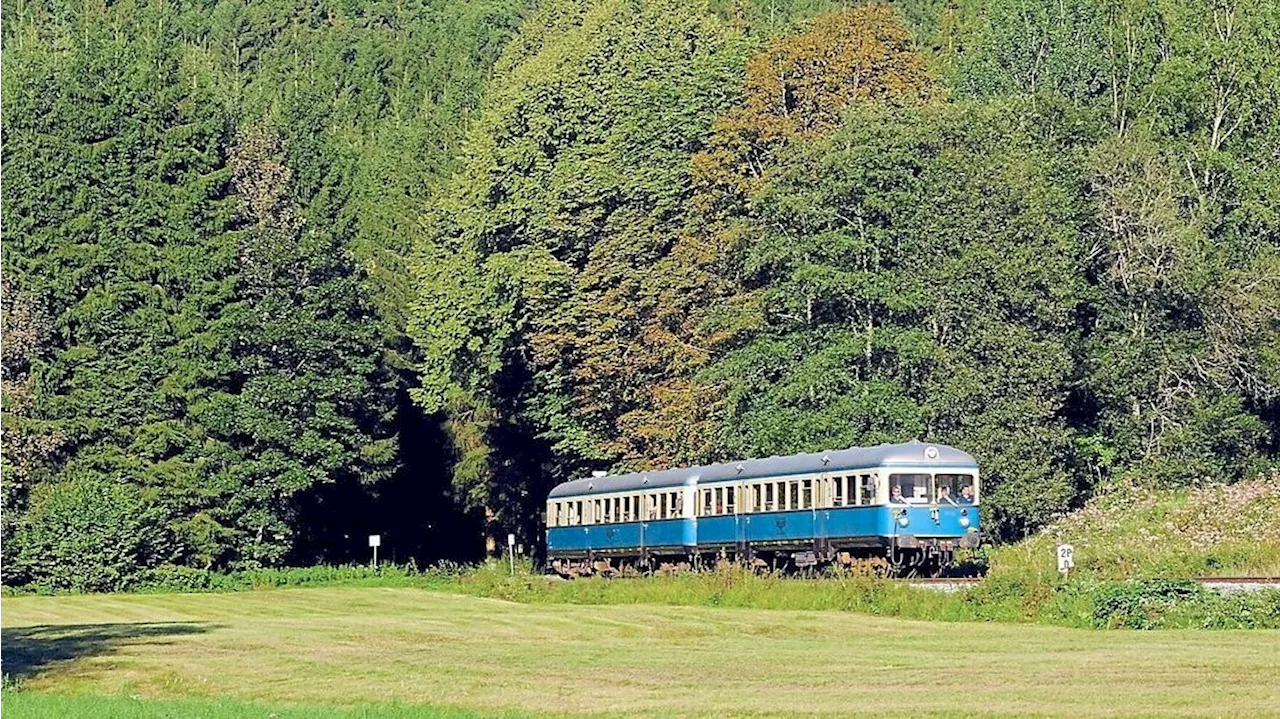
x=671 y=535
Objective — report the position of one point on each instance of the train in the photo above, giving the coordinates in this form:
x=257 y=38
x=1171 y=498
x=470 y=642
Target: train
x=908 y=507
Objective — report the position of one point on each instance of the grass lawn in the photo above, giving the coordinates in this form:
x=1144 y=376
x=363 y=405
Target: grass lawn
x=348 y=652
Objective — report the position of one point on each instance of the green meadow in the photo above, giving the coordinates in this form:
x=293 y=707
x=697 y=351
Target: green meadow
x=388 y=651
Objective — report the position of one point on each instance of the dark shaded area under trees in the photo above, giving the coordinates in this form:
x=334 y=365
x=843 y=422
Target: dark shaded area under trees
x=32 y=650
x=277 y=276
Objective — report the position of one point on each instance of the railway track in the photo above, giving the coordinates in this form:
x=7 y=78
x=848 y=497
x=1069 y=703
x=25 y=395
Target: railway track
x=1223 y=584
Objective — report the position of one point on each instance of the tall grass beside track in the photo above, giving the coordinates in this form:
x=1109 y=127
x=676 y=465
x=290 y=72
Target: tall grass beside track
x=1082 y=602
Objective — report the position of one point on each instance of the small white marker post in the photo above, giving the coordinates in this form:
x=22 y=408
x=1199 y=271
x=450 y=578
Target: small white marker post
x=375 y=541
x=1066 y=558
x=511 y=551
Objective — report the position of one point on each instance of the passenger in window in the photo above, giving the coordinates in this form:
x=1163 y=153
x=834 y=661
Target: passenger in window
x=966 y=494
x=896 y=497
x=944 y=495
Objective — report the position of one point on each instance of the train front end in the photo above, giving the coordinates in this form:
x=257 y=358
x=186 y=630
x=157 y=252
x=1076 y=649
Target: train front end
x=933 y=508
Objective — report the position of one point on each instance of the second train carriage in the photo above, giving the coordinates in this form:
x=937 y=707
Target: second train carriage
x=913 y=504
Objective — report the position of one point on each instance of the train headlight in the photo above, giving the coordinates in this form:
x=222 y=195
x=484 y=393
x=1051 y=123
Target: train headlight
x=964 y=521
x=902 y=520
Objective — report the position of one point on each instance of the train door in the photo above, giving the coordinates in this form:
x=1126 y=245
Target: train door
x=820 y=502
x=687 y=502
x=642 y=514
x=741 y=506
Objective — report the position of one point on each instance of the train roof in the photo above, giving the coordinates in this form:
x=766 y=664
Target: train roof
x=906 y=454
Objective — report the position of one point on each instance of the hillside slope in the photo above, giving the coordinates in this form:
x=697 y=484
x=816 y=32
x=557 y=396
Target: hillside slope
x=1133 y=531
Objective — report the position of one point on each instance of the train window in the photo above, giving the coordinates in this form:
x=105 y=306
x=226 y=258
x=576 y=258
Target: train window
x=719 y=500
x=867 y=489
x=706 y=503
x=793 y=495
x=837 y=493
x=663 y=511
x=730 y=495
x=909 y=488
x=769 y=506
x=677 y=502
x=954 y=489
x=806 y=494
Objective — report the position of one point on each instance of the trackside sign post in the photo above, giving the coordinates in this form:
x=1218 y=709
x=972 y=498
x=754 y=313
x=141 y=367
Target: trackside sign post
x=511 y=551
x=1066 y=558
x=375 y=541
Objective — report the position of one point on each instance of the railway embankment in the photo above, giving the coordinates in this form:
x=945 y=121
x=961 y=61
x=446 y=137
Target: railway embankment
x=1134 y=531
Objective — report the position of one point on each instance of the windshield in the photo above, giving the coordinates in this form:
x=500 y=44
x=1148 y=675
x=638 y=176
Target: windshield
x=908 y=488
x=955 y=488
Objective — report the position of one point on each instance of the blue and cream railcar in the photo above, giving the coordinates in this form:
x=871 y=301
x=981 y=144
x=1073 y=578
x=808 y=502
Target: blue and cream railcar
x=913 y=504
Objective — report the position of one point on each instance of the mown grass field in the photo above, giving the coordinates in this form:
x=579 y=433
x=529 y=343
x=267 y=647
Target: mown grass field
x=337 y=652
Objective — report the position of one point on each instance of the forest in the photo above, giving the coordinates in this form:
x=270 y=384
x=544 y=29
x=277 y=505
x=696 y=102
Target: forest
x=277 y=275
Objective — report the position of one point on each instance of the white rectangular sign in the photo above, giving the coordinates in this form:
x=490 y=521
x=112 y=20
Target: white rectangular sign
x=1066 y=557
x=375 y=540
x=511 y=540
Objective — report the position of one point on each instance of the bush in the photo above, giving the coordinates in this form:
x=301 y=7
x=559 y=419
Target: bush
x=90 y=535
x=1142 y=604
x=171 y=578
